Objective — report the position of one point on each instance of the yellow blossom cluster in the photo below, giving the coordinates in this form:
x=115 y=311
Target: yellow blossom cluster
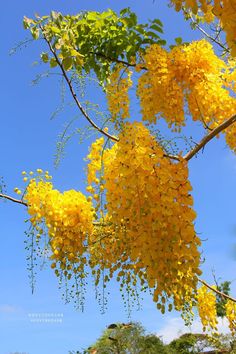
x=94 y=155
x=117 y=92
x=150 y=217
x=224 y=10
x=206 y=302
x=230 y=308
x=189 y=74
x=67 y=216
x=158 y=90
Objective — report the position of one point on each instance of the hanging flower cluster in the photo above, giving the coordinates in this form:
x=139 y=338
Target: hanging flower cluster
x=159 y=93
x=230 y=308
x=151 y=218
x=224 y=10
x=206 y=302
x=117 y=89
x=190 y=74
x=67 y=216
x=143 y=233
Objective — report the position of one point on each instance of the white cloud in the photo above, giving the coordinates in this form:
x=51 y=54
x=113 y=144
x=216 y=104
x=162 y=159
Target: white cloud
x=175 y=327
x=8 y=309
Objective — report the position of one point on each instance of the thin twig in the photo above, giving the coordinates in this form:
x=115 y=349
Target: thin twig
x=217 y=291
x=19 y=201
x=203 y=120
x=209 y=137
x=215 y=40
x=114 y=138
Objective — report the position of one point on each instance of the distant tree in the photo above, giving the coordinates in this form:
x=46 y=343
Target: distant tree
x=221 y=301
x=190 y=343
x=131 y=338
x=121 y=338
x=226 y=343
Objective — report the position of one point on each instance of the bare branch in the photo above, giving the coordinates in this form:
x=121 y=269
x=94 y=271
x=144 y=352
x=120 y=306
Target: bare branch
x=209 y=137
x=19 y=201
x=215 y=40
x=217 y=291
x=207 y=35
x=82 y=110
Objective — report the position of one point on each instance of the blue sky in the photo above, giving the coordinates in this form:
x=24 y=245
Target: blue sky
x=28 y=141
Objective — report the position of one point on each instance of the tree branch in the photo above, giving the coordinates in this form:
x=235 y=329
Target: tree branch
x=82 y=110
x=172 y=157
x=209 y=137
x=19 y=201
x=119 y=61
x=217 y=291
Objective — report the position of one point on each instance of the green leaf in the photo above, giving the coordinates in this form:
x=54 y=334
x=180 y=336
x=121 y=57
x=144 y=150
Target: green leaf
x=133 y=19
x=55 y=15
x=92 y=16
x=74 y=53
x=157 y=21
x=27 y=22
x=161 y=42
x=125 y=11
x=55 y=29
x=35 y=32
x=152 y=34
x=178 y=40
x=58 y=45
x=67 y=63
x=53 y=63
x=44 y=57
x=157 y=28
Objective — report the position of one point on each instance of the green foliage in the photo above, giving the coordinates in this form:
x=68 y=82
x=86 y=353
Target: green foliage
x=75 y=39
x=225 y=343
x=186 y=343
x=131 y=338
x=220 y=300
x=127 y=338
x=197 y=343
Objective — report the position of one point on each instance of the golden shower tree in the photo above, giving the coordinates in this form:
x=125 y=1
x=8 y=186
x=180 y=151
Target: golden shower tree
x=137 y=224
